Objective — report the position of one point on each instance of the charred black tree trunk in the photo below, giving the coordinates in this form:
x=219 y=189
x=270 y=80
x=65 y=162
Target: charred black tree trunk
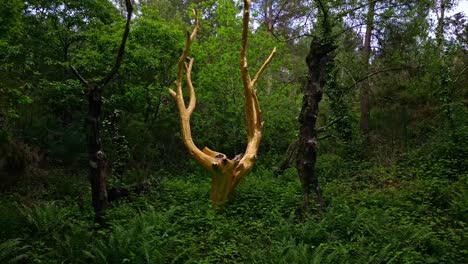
x=98 y=166
x=318 y=59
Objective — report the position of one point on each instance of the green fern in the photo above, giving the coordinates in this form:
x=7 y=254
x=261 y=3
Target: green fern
x=13 y=251
x=44 y=220
x=141 y=241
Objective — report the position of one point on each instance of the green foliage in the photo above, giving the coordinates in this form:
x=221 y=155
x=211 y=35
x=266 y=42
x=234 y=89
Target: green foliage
x=153 y=50
x=11 y=218
x=140 y=242
x=45 y=220
x=442 y=158
x=57 y=129
x=406 y=204
x=10 y=19
x=12 y=251
x=11 y=99
x=66 y=185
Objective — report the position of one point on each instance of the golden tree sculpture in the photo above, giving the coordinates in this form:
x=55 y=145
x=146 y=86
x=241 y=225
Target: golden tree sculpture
x=226 y=173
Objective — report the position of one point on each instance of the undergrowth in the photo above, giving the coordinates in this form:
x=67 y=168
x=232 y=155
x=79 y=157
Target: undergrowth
x=407 y=213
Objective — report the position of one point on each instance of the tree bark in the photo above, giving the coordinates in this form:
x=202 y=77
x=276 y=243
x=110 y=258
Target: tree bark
x=98 y=167
x=444 y=70
x=365 y=88
x=317 y=60
x=268 y=16
x=440 y=27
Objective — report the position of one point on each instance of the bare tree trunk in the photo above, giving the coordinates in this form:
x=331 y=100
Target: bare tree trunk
x=269 y=17
x=440 y=27
x=405 y=125
x=444 y=71
x=98 y=167
x=267 y=9
x=317 y=61
x=365 y=88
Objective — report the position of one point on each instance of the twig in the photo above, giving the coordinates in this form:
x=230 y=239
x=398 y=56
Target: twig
x=334 y=121
x=78 y=76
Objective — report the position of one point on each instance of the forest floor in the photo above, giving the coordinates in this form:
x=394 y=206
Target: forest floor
x=374 y=215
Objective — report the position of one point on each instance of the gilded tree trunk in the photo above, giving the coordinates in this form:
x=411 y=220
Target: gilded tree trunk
x=222 y=186
x=226 y=173
x=224 y=177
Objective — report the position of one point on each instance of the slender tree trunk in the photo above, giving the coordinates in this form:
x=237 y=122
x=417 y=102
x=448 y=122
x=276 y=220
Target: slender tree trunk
x=317 y=61
x=440 y=27
x=268 y=15
x=365 y=88
x=98 y=168
x=405 y=126
x=444 y=71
